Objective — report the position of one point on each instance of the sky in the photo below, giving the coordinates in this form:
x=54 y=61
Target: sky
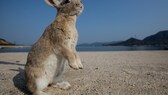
x=24 y=21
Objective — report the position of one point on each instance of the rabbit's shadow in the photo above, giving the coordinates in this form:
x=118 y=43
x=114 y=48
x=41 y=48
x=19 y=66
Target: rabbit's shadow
x=19 y=81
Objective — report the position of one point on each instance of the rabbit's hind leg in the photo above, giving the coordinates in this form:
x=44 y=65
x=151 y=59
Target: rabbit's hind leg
x=58 y=81
x=62 y=85
x=41 y=83
x=36 y=80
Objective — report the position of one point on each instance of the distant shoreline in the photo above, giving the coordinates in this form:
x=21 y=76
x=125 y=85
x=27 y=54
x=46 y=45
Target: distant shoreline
x=87 y=49
x=3 y=46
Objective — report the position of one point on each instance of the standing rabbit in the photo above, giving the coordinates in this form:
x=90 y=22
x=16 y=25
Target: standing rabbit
x=45 y=61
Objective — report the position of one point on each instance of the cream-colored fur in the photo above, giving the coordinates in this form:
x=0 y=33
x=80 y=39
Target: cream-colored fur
x=45 y=61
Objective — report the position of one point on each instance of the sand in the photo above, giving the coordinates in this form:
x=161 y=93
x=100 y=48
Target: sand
x=104 y=73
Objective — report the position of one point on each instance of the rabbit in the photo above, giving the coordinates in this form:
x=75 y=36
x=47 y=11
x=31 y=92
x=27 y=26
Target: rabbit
x=46 y=59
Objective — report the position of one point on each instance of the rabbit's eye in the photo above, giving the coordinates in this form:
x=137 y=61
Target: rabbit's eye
x=67 y=1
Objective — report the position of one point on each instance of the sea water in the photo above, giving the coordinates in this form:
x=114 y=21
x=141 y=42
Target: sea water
x=93 y=48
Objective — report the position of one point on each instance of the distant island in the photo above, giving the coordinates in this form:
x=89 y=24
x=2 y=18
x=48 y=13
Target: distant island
x=158 y=39
x=6 y=44
x=3 y=42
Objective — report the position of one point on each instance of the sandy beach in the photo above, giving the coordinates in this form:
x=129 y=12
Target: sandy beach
x=104 y=73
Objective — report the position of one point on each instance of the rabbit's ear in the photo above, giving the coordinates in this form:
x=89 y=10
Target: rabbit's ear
x=53 y=3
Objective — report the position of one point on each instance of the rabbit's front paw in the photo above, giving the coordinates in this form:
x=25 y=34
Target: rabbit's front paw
x=80 y=64
x=74 y=66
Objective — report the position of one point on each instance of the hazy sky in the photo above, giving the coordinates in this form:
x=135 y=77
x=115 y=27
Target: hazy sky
x=23 y=21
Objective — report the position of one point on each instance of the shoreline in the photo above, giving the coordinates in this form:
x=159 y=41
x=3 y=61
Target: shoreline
x=6 y=49
x=3 y=46
x=16 y=46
